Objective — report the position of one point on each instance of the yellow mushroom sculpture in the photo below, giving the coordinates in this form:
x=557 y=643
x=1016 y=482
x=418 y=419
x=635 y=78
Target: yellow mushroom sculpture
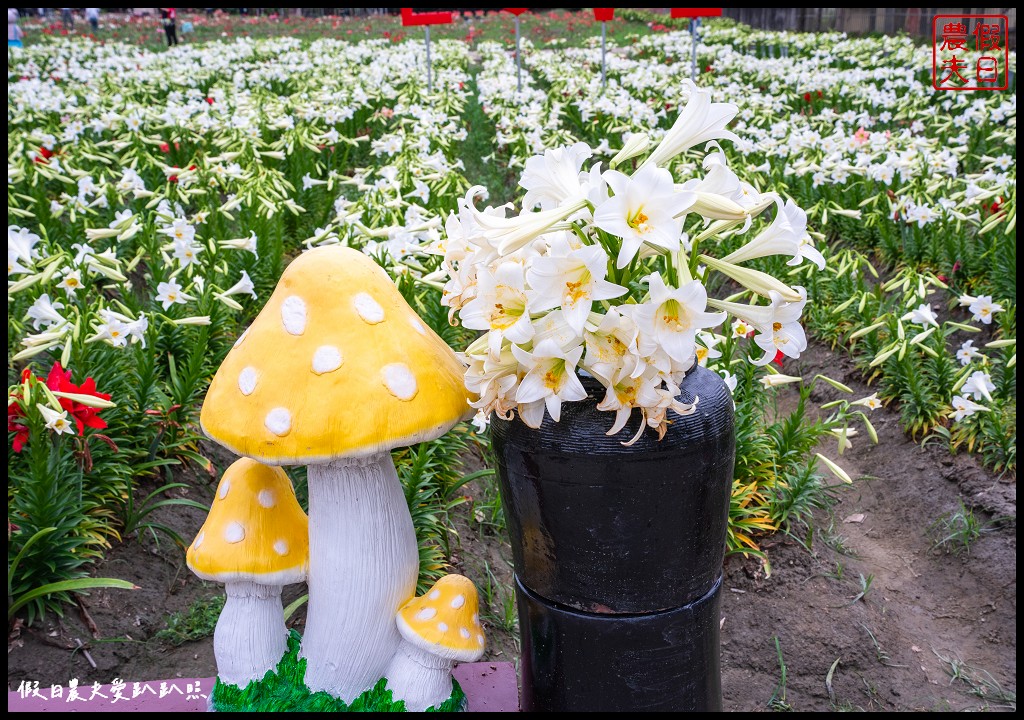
x=254 y=541
x=437 y=629
x=335 y=372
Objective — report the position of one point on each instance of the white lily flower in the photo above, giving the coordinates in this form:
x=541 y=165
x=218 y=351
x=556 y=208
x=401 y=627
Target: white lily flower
x=700 y=121
x=21 y=246
x=643 y=210
x=871 y=402
x=785 y=335
x=572 y=280
x=179 y=231
x=964 y=407
x=612 y=348
x=770 y=381
x=500 y=306
x=625 y=393
x=550 y=380
x=56 y=421
x=554 y=177
x=508 y=235
x=249 y=243
x=922 y=315
x=45 y=313
x=71 y=282
x=782 y=237
x=672 y=317
x=169 y=293
x=114 y=332
x=979 y=385
x=186 y=253
x=967 y=353
x=982 y=308
x=244 y=286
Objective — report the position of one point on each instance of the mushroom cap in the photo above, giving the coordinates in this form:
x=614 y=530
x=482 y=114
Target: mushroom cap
x=255 y=531
x=446 y=621
x=336 y=365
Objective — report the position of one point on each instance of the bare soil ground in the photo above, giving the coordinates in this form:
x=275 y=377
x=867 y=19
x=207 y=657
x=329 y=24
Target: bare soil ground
x=925 y=629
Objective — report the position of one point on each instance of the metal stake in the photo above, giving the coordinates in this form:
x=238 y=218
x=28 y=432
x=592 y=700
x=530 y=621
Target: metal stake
x=604 y=32
x=430 y=80
x=693 y=41
x=519 y=78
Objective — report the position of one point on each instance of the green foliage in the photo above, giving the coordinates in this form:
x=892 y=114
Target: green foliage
x=957 y=530
x=283 y=690
x=196 y=622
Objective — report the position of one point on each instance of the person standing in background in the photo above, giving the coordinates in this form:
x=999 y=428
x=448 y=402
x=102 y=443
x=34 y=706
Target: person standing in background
x=93 y=16
x=67 y=16
x=14 y=33
x=170 y=20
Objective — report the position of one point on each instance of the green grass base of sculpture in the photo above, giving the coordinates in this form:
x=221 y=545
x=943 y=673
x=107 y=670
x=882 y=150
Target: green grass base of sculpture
x=284 y=690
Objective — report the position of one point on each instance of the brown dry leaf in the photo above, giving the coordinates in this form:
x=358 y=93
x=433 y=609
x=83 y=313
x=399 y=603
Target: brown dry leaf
x=855 y=518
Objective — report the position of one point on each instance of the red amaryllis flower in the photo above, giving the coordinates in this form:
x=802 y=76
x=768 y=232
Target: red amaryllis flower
x=59 y=379
x=778 y=358
x=807 y=97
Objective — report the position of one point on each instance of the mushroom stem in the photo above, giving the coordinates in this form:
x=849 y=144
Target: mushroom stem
x=250 y=637
x=363 y=565
x=419 y=678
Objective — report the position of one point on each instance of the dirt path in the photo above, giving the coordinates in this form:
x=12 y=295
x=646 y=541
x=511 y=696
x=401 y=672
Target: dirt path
x=926 y=615
x=933 y=631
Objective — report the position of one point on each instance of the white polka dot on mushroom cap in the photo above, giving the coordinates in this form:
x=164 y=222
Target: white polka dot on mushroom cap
x=199 y=540
x=368 y=308
x=417 y=326
x=443 y=627
x=476 y=619
x=327 y=358
x=458 y=601
x=266 y=498
x=399 y=381
x=293 y=315
x=234 y=532
x=480 y=640
x=225 y=485
x=247 y=380
x=464 y=632
x=281 y=547
x=278 y=421
x=426 y=613
x=434 y=594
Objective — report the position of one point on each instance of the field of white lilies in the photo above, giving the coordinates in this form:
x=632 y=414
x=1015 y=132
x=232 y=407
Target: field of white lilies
x=825 y=196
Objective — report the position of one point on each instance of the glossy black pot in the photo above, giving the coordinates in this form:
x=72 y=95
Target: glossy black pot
x=618 y=552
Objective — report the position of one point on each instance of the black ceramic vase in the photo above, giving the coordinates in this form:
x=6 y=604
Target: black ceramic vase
x=618 y=553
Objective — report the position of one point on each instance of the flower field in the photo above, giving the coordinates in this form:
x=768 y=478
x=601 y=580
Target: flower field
x=848 y=266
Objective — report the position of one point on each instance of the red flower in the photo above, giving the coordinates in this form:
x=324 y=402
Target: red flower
x=46 y=153
x=165 y=148
x=17 y=425
x=59 y=379
x=209 y=100
x=778 y=358
x=807 y=97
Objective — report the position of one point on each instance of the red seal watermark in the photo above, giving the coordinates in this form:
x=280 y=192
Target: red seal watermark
x=970 y=52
